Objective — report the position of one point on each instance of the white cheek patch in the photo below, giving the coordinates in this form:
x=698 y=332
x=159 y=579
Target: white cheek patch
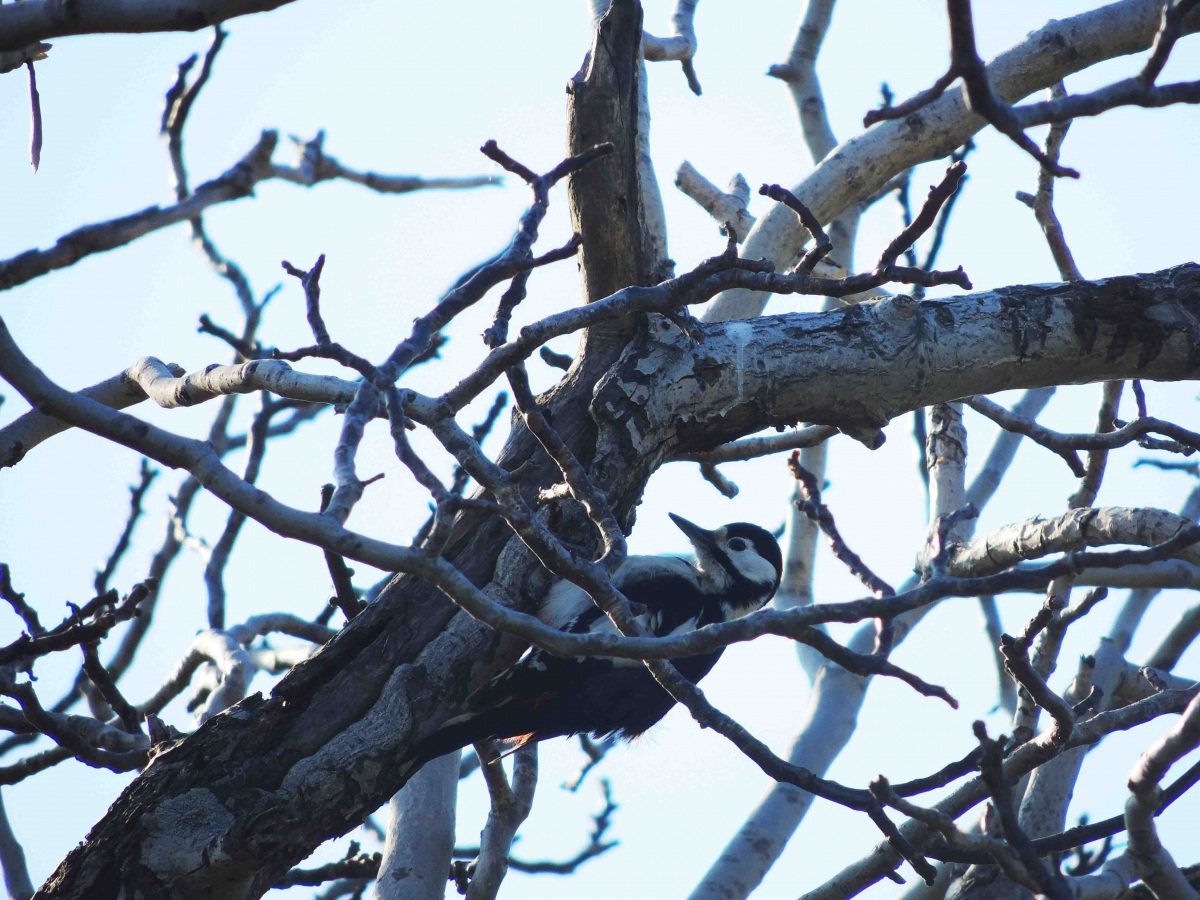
x=753 y=566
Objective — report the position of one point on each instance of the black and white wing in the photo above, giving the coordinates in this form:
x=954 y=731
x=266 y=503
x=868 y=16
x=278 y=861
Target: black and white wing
x=544 y=695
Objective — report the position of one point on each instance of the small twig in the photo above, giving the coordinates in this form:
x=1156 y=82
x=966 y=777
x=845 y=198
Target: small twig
x=819 y=513
x=873 y=664
x=939 y=194
x=752 y=448
x=35 y=119
x=596 y=846
x=1139 y=396
x=311 y=282
x=1042 y=203
x=214 y=569
x=1016 y=662
x=17 y=601
x=315 y=166
x=942 y=777
x=1192 y=468
x=1047 y=879
x=1067 y=445
x=601 y=822
x=1097 y=460
x=103 y=612
x=596 y=751
x=943 y=219
x=244 y=349
x=727 y=207
x=461 y=477
x=1077 y=611
x=900 y=110
x=137 y=493
x=179 y=100
x=345 y=597
x=354 y=865
x=76 y=744
x=1087 y=860
x=1004 y=448
x=713 y=476
x=497 y=333
x=108 y=689
x=810 y=504
x=558 y=360
x=1169 y=31
x=822 y=245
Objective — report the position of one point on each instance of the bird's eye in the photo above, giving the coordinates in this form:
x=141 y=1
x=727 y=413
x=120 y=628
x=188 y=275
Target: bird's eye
x=737 y=544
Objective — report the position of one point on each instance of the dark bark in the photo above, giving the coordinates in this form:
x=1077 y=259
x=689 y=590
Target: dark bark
x=606 y=198
x=232 y=808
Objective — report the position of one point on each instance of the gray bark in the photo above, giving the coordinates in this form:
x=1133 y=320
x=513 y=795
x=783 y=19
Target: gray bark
x=25 y=23
x=420 y=834
x=255 y=790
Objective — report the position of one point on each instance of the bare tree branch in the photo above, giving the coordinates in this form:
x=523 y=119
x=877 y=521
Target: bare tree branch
x=45 y=19
x=681 y=45
x=12 y=861
x=137 y=494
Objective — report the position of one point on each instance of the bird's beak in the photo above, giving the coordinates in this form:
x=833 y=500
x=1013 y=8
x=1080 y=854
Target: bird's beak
x=701 y=538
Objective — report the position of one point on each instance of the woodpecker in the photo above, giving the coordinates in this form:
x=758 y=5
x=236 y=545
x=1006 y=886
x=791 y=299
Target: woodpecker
x=736 y=570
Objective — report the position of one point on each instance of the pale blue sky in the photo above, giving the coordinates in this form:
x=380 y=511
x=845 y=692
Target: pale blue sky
x=406 y=87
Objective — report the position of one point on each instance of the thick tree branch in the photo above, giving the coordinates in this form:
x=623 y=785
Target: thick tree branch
x=1107 y=329
x=865 y=163
x=36 y=20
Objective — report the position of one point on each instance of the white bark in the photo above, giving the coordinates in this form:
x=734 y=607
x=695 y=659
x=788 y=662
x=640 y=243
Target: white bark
x=1139 y=600
x=727 y=207
x=1070 y=531
x=863 y=164
x=1110 y=882
x=420 y=834
x=1152 y=862
x=682 y=43
x=1050 y=788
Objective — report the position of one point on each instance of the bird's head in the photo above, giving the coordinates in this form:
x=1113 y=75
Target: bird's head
x=740 y=559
